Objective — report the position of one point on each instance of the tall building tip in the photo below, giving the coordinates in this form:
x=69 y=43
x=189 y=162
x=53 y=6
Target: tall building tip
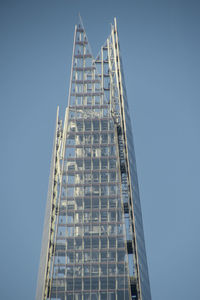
x=93 y=204
x=80 y=19
x=115 y=22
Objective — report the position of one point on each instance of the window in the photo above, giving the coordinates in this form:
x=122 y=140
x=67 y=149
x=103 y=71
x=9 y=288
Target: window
x=96 y=138
x=104 y=216
x=86 y=296
x=72 y=126
x=95 y=256
x=89 y=86
x=95 y=125
x=95 y=243
x=112 y=176
x=88 y=139
x=119 y=216
x=78 y=178
x=77 y=284
x=70 y=284
x=70 y=179
x=79 y=139
x=88 y=151
x=79 y=203
x=88 y=125
x=70 y=204
x=104 y=163
x=112 y=203
x=112 y=230
x=112 y=163
x=104 y=243
x=120 y=269
x=97 y=100
x=89 y=100
x=70 y=191
x=95 y=164
x=104 y=284
x=112 y=138
x=70 y=218
x=88 y=178
x=79 y=152
x=111 y=269
x=86 y=267
x=70 y=165
x=120 y=256
x=79 y=256
x=87 y=243
x=77 y=272
x=95 y=203
x=104 y=151
x=112 y=242
x=78 y=191
x=95 y=177
x=70 y=271
x=95 y=270
x=104 y=138
x=96 y=152
x=87 y=203
x=111 y=125
x=104 y=269
x=104 y=125
x=70 y=140
x=120 y=243
x=112 y=190
x=78 y=245
x=111 y=283
x=78 y=231
x=95 y=230
x=112 y=216
x=104 y=190
x=86 y=283
x=70 y=245
x=104 y=203
x=122 y=282
x=104 y=177
x=95 y=216
x=79 y=164
x=86 y=217
x=78 y=296
x=87 y=164
x=112 y=151
x=112 y=256
x=62 y=231
x=79 y=125
x=70 y=152
x=87 y=191
x=94 y=283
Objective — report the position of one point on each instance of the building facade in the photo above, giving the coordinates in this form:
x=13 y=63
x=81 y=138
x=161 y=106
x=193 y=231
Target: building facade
x=93 y=242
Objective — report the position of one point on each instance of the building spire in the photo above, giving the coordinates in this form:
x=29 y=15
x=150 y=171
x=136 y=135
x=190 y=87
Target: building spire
x=80 y=20
x=93 y=245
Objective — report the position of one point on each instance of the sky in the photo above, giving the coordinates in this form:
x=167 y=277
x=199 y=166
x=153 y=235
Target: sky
x=160 y=49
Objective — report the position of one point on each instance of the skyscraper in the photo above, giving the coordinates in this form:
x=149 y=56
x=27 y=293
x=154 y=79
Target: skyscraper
x=93 y=242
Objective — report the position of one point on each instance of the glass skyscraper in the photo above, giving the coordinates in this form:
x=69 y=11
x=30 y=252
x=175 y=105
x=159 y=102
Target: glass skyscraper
x=93 y=242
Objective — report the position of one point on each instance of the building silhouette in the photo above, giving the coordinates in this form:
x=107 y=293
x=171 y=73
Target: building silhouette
x=93 y=242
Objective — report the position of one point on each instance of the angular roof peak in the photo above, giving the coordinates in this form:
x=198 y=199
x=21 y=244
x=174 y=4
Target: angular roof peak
x=80 y=23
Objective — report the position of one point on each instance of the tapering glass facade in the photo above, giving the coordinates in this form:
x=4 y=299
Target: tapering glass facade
x=93 y=243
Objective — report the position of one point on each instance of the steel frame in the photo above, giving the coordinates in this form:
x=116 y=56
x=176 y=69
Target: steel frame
x=80 y=179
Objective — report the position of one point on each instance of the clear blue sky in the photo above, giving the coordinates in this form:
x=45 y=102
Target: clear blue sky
x=160 y=48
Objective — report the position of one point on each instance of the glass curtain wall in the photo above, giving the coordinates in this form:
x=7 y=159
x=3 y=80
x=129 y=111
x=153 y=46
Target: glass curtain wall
x=92 y=251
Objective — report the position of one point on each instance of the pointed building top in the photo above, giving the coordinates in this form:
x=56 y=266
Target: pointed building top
x=81 y=29
x=80 y=20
